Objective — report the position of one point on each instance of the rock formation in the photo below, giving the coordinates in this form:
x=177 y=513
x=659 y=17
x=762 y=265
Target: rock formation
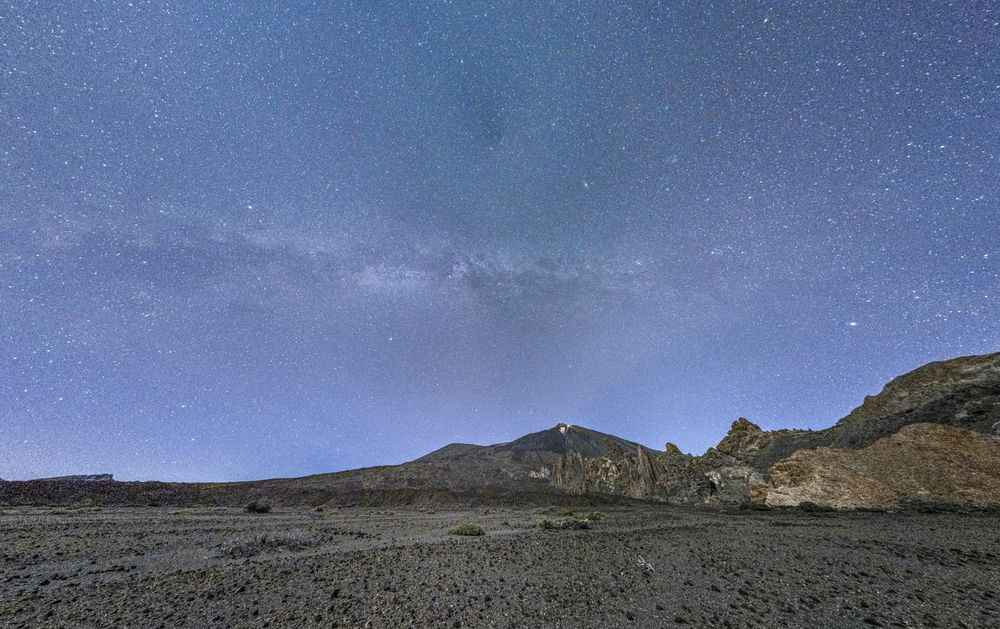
x=928 y=463
x=753 y=465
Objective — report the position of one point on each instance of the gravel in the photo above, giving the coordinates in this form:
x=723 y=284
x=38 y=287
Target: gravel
x=358 y=567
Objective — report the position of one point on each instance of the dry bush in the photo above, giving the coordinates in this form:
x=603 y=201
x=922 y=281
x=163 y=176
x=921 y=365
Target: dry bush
x=466 y=528
x=259 y=506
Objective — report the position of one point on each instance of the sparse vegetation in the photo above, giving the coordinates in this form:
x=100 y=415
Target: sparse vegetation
x=259 y=506
x=466 y=528
x=567 y=519
x=264 y=542
x=563 y=523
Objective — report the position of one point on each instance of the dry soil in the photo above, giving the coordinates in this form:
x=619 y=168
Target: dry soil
x=361 y=567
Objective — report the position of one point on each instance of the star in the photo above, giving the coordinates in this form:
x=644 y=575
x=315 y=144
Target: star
x=201 y=236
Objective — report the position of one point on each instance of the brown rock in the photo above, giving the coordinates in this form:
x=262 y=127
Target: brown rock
x=672 y=450
x=744 y=438
x=922 y=462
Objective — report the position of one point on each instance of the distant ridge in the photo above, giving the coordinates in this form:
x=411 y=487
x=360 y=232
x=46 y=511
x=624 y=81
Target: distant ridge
x=873 y=458
x=82 y=478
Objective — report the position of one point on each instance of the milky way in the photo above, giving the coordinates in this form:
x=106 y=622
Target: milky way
x=248 y=241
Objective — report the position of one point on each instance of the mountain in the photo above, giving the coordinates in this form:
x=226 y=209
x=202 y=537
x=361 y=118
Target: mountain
x=929 y=435
x=538 y=447
x=515 y=472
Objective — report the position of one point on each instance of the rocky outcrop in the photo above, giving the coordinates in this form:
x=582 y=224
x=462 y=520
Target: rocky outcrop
x=931 y=463
x=668 y=476
x=626 y=475
x=964 y=393
x=569 y=474
x=743 y=439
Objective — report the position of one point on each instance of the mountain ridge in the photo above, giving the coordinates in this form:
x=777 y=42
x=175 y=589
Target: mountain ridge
x=571 y=463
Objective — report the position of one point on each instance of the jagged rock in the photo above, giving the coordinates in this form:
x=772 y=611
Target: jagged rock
x=646 y=472
x=623 y=475
x=744 y=437
x=932 y=463
x=672 y=450
x=568 y=473
x=731 y=485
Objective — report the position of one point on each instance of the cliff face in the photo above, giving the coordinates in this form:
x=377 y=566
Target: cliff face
x=932 y=463
x=753 y=465
x=668 y=476
x=963 y=391
x=625 y=475
x=643 y=474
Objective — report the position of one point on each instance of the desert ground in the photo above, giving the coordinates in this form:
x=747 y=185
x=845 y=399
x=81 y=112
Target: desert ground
x=364 y=567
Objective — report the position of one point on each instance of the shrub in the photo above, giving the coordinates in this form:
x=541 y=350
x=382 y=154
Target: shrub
x=466 y=528
x=258 y=506
x=261 y=542
x=565 y=513
x=593 y=516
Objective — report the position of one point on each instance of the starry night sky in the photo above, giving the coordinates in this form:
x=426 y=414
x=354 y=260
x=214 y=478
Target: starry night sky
x=250 y=241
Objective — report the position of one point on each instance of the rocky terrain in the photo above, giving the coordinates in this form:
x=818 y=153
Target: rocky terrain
x=642 y=566
x=891 y=517
x=869 y=459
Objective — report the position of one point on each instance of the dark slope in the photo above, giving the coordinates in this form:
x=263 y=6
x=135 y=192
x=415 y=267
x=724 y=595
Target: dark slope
x=515 y=472
x=536 y=447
